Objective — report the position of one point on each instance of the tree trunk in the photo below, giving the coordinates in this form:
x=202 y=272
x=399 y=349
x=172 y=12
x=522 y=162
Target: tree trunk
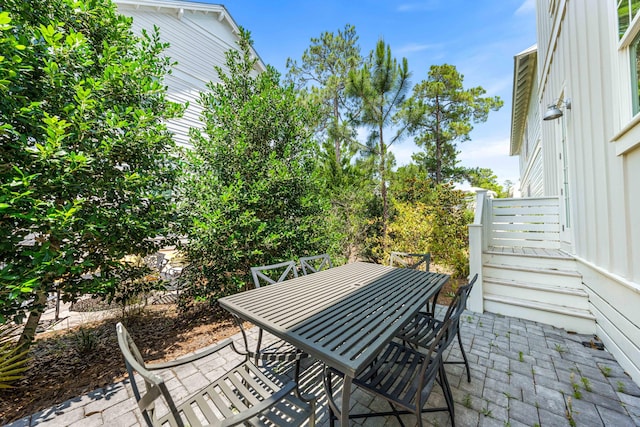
x=383 y=189
x=29 y=331
x=438 y=144
x=338 y=140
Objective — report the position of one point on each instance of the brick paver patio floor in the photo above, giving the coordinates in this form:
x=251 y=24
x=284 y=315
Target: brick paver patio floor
x=523 y=374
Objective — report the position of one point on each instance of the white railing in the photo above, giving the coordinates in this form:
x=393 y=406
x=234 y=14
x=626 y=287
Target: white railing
x=530 y=223
x=521 y=222
x=477 y=244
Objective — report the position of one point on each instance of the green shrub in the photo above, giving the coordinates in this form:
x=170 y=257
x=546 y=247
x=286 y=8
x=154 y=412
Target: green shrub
x=250 y=193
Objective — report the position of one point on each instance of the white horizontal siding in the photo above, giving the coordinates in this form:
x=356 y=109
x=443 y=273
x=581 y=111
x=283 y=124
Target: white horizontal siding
x=198 y=41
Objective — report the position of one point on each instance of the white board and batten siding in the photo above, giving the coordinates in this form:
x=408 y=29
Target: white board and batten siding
x=531 y=176
x=581 y=58
x=199 y=35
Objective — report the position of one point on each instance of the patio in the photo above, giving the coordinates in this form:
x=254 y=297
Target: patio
x=523 y=374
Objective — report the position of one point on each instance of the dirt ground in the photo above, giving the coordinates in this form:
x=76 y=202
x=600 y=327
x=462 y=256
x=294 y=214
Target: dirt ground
x=76 y=361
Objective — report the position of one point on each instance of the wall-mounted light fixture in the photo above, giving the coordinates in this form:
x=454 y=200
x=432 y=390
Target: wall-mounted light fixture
x=554 y=110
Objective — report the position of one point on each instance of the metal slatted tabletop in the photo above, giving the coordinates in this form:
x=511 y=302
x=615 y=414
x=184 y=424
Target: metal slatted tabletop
x=342 y=316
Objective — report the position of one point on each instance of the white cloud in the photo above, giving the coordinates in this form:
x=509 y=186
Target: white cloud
x=496 y=87
x=423 y=5
x=416 y=47
x=480 y=149
x=529 y=6
x=492 y=154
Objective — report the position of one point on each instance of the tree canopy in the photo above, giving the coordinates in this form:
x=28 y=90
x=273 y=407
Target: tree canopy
x=380 y=86
x=250 y=191
x=441 y=114
x=87 y=164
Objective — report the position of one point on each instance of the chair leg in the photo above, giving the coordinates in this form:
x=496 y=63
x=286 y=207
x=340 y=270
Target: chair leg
x=296 y=378
x=332 y=421
x=464 y=356
x=396 y=413
x=448 y=396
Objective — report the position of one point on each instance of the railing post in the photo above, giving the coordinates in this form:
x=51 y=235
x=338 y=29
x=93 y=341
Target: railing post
x=476 y=245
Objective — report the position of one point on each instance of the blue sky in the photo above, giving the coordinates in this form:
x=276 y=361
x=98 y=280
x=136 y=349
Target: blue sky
x=479 y=37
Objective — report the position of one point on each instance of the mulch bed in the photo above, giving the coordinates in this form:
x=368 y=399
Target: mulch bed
x=70 y=363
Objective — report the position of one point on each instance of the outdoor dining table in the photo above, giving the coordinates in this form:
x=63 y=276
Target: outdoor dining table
x=343 y=316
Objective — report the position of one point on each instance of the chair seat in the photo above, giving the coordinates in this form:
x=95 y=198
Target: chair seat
x=244 y=394
x=404 y=377
x=395 y=375
x=278 y=350
x=421 y=330
x=241 y=389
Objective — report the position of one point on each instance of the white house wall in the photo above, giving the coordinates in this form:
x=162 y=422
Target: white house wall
x=531 y=176
x=198 y=41
x=532 y=179
x=579 y=59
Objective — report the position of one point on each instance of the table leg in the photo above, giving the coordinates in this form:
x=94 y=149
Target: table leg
x=346 y=397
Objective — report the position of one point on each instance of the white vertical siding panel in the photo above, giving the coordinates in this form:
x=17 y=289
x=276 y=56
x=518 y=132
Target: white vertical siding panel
x=577 y=80
x=601 y=197
x=596 y=172
x=605 y=188
x=586 y=179
x=537 y=188
x=631 y=181
x=621 y=259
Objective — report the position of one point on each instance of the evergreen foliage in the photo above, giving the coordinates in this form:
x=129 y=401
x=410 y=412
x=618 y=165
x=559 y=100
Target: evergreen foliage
x=86 y=165
x=441 y=113
x=250 y=190
x=380 y=85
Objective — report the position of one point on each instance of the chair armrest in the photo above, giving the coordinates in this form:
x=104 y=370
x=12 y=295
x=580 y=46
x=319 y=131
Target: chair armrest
x=164 y=365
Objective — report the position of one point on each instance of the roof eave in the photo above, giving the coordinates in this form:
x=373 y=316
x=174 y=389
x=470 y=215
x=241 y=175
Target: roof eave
x=524 y=73
x=180 y=6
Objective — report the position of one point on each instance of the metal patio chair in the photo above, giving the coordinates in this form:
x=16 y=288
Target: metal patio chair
x=415 y=261
x=313 y=264
x=404 y=377
x=409 y=260
x=422 y=329
x=277 y=350
x=274 y=273
x=243 y=395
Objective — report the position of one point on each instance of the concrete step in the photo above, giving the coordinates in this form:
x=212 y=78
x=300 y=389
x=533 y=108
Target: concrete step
x=569 y=318
x=532 y=274
x=544 y=293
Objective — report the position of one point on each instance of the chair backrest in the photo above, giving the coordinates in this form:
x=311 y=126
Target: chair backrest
x=154 y=384
x=432 y=360
x=274 y=273
x=457 y=306
x=313 y=264
x=409 y=260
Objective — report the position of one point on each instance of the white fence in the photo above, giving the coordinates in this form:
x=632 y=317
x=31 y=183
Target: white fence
x=526 y=222
x=530 y=222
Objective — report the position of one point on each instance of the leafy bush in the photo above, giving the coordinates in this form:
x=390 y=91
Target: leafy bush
x=87 y=163
x=438 y=226
x=449 y=240
x=250 y=193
